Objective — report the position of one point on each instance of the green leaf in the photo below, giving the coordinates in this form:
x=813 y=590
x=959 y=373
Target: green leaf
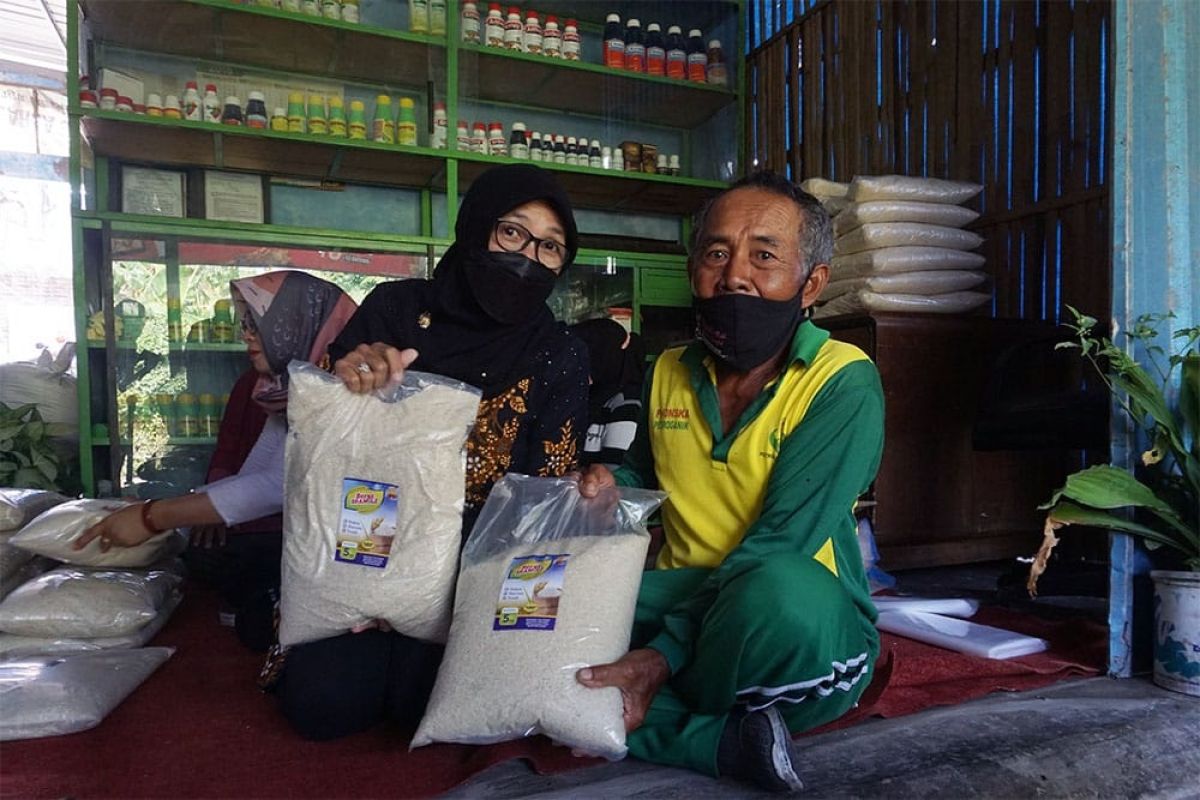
x=1189 y=396
x=21 y=459
x=46 y=466
x=35 y=430
x=1071 y=514
x=29 y=478
x=10 y=430
x=1106 y=486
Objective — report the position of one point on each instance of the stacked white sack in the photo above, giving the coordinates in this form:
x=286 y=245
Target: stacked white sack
x=900 y=246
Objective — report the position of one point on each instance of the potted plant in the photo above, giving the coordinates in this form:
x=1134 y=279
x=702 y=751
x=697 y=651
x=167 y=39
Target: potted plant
x=1160 y=504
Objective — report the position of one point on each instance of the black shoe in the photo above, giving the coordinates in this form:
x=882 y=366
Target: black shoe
x=756 y=747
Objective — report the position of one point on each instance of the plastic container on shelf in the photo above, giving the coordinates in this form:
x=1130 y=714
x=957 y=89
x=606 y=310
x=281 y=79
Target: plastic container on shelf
x=154 y=105
x=493 y=27
x=656 y=50
x=222 y=322
x=518 y=145
x=635 y=47
x=496 y=143
x=462 y=136
x=187 y=415
x=532 y=33
x=337 y=116
x=535 y=147
x=440 y=135
x=295 y=113
x=357 y=127
x=316 y=115
x=697 y=57
x=232 y=113
x=676 y=54
x=310 y=7
x=108 y=99
x=614 y=42
x=716 y=71
x=469 y=23
x=88 y=99
x=192 y=103
x=124 y=104
x=572 y=151
x=212 y=104
x=595 y=157
x=383 y=129
x=209 y=415
x=418 y=16
x=479 y=138
x=571 y=43
x=406 y=123
x=256 y=111
x=437 y=17
x=552 y=38
x=514 y=30
x=350 y=11
x=170 y=108
x=279 y=120
x=331 y=9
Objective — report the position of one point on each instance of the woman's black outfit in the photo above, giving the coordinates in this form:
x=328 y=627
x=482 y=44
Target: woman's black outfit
x=483 y=320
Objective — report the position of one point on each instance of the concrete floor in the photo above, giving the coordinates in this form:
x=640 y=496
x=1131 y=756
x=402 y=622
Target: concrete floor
x=1092 y=738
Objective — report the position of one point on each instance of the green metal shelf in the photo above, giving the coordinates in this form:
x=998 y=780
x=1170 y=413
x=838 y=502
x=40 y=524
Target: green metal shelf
x=266 y=37
x=489 y=73
x=182 y=143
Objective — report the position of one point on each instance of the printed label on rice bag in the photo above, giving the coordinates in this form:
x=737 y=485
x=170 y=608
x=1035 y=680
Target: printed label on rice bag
x=367 y=524
x=530 y=593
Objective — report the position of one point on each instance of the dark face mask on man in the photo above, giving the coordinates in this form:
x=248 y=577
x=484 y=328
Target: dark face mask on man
x=509 y=287
x=743 y=330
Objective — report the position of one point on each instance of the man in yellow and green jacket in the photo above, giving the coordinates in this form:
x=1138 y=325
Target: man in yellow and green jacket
x=757 y=620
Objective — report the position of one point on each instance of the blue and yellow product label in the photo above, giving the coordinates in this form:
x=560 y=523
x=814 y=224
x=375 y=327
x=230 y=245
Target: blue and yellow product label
x=367 y=524
x=530 y=593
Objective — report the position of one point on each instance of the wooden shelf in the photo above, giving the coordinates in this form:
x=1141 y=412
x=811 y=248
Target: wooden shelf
x=155 y=140
x=702 y=14
x=491 y=74
x=265 y=37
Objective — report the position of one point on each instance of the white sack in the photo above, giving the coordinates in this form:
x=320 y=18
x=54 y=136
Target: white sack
x=824 y=189
x=877 y=235
x=372 y=519
x=865 y=300
x=902 y=259
x=52 y=533
x=903 y=187
x=856 y=214
x=19 y=506
x=15 y=647
x=933 y=282
x=72 y=602
x=27 y=571
x=51 y=696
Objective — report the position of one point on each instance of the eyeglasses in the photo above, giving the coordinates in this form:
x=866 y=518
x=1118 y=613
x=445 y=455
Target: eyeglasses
x=514 y=237
x=249 y=328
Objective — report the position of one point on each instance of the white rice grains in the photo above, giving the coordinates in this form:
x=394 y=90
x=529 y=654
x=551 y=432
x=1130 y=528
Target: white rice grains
x=499 y=681
x=373 y=504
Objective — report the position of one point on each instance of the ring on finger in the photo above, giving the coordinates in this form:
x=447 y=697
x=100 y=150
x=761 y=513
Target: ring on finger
x=364 y=368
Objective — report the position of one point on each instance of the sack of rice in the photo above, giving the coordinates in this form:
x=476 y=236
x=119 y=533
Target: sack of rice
x=548 y=586
x=77 y=602
x=28 y=570
x=373 y=505
x=866 y=300
x=19 y=506
x=855 y=214
x=876 y=235
x=53 y=531
x=12 y=558
x=903 y=187
x=901 y=259
x=823 y=189
x=50 y=696
x=932 y=282
x=13 y=647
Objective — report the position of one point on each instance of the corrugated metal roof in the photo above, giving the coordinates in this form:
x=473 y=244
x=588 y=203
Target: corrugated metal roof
x=33 y=32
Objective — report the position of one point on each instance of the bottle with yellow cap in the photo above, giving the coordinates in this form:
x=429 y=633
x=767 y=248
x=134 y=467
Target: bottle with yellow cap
x=316 y=114
x=337 y=116
x=357 y=127
x=383 y=130
x=295 y=112
x=406 y=123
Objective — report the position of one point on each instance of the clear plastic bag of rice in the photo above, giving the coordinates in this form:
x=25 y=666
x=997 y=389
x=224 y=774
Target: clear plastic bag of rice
x=13 y=647
x=548 y=586
x=28 y=570
x=53 y=531
x=19 y=506
x=51 y=696
x=78 y=602
x=372 y=519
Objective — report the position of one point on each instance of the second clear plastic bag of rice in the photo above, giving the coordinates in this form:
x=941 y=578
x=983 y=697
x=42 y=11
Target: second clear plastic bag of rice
x=373 y=501
x=548 y=585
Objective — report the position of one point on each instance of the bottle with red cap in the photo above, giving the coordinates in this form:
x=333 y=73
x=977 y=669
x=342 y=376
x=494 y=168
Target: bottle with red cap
x=497 y=143
x=656 y=51
x=676 y=54
x=514 y=30
x=212 y=104
x=552 y=38
x=635 y=47
x=462 y=139
x=571 y=43
x=493 y=27
x=470 y=22
x=191 y=102
x=614 y=42
x=532 y=38
x=479 y=138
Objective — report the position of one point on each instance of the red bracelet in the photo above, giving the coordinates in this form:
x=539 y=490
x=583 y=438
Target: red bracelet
x=146 y=517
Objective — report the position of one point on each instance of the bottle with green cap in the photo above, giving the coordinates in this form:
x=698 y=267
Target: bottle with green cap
x=295 y=112
x=337 y=116
x=358 y=120
x=383 y=130
x=406 y=123
x=316 y=114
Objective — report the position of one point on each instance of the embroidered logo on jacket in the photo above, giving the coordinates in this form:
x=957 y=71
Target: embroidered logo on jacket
x=671 y=419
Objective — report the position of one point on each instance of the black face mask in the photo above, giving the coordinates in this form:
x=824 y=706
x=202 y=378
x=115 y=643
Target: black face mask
x=508 y=286
x=743 y=331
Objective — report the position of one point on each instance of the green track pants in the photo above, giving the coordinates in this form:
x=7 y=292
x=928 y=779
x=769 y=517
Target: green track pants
x=784 y=633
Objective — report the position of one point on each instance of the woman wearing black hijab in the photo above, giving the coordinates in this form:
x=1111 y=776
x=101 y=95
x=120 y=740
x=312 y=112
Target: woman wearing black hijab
x=483 y=320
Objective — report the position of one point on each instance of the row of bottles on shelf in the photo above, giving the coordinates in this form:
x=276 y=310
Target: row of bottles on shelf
x=522 y=32
x=345 y=10
x=556 y=148
x=185 y=415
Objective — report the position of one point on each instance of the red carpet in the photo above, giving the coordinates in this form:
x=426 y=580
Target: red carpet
x=199 y=728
